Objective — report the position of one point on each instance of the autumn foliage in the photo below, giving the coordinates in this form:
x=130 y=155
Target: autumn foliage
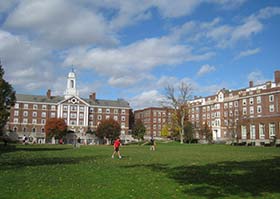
x=55 y=127
x=109 y=128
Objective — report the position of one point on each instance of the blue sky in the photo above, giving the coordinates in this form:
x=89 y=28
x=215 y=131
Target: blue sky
x=134 y=49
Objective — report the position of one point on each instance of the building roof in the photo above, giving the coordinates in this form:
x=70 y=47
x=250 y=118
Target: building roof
x=57 y=99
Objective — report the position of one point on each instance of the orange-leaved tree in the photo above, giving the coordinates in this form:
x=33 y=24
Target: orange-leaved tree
x=109 y=129
x=55 y=127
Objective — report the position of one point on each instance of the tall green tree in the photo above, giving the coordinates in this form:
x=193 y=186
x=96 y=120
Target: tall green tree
x=109 y=129
x=7 y=99
x=139 y=130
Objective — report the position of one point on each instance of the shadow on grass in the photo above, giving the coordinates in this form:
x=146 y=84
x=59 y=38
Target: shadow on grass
x=20 y=163
x=225 y=179
x=15 y=147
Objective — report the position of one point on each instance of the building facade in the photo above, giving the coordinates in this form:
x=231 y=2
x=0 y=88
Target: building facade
x=249 y=116
x=154 y=119
x=30 y=113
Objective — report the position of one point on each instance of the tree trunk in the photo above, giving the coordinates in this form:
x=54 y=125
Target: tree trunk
x=182 y=129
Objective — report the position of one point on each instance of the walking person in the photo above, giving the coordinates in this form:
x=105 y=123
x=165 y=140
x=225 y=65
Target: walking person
x=153 y=144
x=117 y=145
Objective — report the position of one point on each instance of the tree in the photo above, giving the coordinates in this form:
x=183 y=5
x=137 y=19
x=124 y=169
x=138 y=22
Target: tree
x=109 y=129
x=7 y=100
x=189 y=131
x=55 y=127
x=179 y=102
x=139 y=130
x=165 y=131
x=206 y=132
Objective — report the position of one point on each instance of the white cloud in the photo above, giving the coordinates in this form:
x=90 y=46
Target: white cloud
x=26 y=66
x=146 y=99
x=60 y=23
x=247 y=53
x=137 y=58
x=257 y=77
x=205 y=69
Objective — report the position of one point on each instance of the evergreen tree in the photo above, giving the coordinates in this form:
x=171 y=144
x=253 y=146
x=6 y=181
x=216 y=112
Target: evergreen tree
x=7 y=100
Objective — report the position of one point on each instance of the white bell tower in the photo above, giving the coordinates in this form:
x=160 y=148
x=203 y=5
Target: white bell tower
x=71 y=85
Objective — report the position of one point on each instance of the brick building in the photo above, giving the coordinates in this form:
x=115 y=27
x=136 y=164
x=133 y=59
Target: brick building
x=250 y=115
x=29 y=115
x=154 y=119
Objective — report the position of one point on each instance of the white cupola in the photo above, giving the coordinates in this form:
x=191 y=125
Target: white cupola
x=71 y=85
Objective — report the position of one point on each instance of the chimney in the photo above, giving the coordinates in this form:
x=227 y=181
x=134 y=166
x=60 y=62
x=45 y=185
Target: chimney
x=92 y=96
x=277 y=77
x=251 y=84
x=49 y=94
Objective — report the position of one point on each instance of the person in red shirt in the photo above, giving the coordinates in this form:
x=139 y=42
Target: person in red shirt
x=117 y=145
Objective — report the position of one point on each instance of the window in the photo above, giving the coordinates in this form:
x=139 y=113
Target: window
x=259 y=99
x=35 y=106
x=107 y=117
x=16 y=113
x=271 y=108
x=65 y=108
x=236 y=104
x=271 y=129
x=123 y=111
x=73 y=108
x=99 y=110
x=243 y=132
x=16 y=105
x=25 y=120
x=53 y=108
x=271 y=98
x=81 y=122
x=34 y=114
x=116 y=118
x=116 y=111
x=81 y=115
x=244 y=111
x=261 y=131
x=123 y=118
x=73 y=122
x=43 y=121
x=43 y=114
x=44 y=107
x=52 y=114
x=82 y=108
x=259 y=108
x=15 y=129
x=122 y=125
x=73 y=115
x=107 y=110
x=252 y=131
x=244 y=102
x=99 y=117
x=15 y=120
x=251 y=101
x=33 y=130
x=34 y=121
x=42 y=130
x=91 y=110
x=64 y=115
x=24 y=129
x=225 y=105
x=251 y=110
x=25 y=106
x=91 y=123
x=230 y=105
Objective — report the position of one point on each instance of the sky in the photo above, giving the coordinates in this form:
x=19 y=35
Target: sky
x=133 y=49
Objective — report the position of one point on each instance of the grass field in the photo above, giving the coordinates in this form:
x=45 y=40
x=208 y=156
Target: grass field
x=173 y=171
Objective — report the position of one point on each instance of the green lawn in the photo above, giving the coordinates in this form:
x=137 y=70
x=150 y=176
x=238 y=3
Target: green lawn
x=173 y=171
